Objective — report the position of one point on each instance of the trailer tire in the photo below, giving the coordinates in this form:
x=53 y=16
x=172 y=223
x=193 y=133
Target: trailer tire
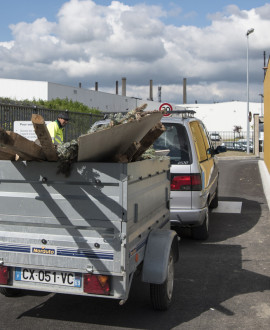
x=10 y=292
x=161 y=294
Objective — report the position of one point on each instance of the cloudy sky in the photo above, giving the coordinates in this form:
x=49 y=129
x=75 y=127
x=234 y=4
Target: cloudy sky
x=85 y=41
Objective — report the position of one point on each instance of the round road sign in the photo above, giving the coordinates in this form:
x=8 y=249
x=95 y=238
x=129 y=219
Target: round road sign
x=165 y=107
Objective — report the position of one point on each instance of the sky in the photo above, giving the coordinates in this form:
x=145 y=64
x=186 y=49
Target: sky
x=89 y=41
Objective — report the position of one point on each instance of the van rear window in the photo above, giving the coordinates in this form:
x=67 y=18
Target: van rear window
x=175 y=139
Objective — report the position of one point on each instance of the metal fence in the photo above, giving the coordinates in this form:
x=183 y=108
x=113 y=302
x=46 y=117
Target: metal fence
x=232 y=140
x=79 y=123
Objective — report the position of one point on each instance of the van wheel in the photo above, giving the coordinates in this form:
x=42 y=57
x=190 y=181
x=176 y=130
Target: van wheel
x=161 y=294
x=214 y=203
x=9 y=292
x=201 y=232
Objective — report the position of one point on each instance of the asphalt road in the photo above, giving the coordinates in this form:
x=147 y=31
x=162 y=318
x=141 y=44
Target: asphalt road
x=222 y=283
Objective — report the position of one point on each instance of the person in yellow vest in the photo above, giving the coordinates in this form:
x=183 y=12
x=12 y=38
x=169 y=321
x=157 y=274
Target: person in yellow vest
x=56 y=128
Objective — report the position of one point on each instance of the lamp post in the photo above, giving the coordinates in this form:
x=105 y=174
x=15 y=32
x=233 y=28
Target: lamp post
x=248 y=33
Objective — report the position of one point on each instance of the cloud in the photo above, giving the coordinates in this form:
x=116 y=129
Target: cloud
x=90 y=42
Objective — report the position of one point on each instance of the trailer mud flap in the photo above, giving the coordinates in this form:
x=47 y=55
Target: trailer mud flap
x=158 y=247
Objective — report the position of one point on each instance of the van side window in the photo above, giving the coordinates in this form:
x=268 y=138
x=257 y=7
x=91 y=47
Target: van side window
x=199 y=141
x=206 y=139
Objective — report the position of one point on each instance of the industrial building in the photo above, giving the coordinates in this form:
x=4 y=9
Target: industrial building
x=44 y=90
x=216 y=116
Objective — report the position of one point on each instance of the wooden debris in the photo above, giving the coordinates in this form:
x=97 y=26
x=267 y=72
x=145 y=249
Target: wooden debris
x=124 y=139
x=44 y=137
x=127 y=156
x=6 y=155
x=104 y=145
x=148 y=140
x=11 y=142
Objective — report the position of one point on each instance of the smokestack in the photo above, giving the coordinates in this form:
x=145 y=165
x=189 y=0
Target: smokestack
x=116 y=87
x=80 y=85
x=159 y=93
x=151 y=90
x=184 y=90
x=124 y=83
x=96 y=86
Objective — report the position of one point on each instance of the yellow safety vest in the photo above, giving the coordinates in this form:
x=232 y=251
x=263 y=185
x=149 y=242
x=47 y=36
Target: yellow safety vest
x=56 y=132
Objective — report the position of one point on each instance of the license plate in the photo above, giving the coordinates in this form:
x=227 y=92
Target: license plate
x=48 y=277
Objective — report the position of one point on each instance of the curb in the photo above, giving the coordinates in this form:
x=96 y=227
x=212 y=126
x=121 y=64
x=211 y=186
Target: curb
x=238 y=157
x=265 y=176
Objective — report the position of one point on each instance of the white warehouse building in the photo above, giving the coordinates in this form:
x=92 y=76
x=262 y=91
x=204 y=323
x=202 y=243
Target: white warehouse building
x=43 y=90
x=216 y=116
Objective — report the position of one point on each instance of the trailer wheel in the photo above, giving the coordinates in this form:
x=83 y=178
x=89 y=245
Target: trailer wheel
x=10 y=292
x=161 y=294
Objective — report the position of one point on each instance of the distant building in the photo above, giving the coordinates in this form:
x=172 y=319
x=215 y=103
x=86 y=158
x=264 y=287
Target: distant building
x=43 y=90
x=216 y=116
x=225 y=115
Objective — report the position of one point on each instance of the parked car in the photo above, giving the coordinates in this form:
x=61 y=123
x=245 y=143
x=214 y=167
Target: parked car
x=215 y=137
x=243 y=144
x=194 y=173
x=236 y=146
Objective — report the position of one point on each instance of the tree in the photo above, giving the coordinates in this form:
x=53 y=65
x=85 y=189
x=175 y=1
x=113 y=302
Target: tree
x=237 y=129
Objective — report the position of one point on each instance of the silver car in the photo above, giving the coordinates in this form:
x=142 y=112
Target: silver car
x=194 y=172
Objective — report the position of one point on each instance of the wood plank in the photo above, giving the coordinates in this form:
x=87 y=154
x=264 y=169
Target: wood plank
x=44 y=137
x=25 y=148
x=127 y=157
x=6 y=155
x=14 y=154
x=148 y=140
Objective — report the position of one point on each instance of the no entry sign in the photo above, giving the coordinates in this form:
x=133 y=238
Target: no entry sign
x=165 y=107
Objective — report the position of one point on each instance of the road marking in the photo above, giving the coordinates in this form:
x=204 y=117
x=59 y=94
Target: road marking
x=228 y=207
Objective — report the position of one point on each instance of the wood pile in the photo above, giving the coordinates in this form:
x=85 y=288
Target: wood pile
x=123 y=142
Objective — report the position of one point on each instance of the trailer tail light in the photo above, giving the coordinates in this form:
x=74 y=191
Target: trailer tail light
x=4 y=275
x=183 y=182
x=96 y=284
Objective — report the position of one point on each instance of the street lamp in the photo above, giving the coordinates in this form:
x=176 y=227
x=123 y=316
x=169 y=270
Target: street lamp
x=248 y=33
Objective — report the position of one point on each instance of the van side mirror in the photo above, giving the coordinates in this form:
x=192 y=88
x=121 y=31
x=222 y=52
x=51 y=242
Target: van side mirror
x=211 y=151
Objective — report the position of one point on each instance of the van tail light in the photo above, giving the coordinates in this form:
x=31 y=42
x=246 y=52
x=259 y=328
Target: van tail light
x=4 y=275
x=96 y=284
x=186 y=182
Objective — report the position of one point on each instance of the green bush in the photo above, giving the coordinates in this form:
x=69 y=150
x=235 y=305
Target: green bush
x=55 y=104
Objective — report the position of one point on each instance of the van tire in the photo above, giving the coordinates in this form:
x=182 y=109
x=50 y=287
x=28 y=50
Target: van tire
x=201 y=232
x=10 y=292
x=161 y=294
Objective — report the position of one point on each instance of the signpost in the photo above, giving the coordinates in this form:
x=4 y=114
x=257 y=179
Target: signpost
x=166 y=107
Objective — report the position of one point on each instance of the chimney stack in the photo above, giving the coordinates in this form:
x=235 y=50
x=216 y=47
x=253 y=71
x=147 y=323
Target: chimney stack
x=116 y=87
x=80 y=85
x=124 y=83
x=151 y=90
x=159 y=94
x=184 y=90
x=96 y=86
